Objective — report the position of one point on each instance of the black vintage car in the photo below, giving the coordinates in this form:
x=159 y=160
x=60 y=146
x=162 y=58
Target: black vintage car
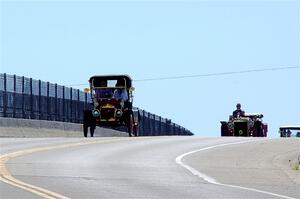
x=249 y=125
x=111 y=104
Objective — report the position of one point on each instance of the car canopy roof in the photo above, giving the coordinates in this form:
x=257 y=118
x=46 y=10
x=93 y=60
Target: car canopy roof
x=99 y=78
x=295 y=127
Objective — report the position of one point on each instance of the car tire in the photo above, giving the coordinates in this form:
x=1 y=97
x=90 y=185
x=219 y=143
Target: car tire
x=224 y=129
x=88 y=121
x=130 y=125
x=92 y=130
x=136 y=131
x=258 y=129
x=85 y=130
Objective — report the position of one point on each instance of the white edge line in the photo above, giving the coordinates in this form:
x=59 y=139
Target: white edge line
x=214 y=181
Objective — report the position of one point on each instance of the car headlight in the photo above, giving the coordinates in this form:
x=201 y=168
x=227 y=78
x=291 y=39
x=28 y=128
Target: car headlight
x=119 y=113
x=96 y=113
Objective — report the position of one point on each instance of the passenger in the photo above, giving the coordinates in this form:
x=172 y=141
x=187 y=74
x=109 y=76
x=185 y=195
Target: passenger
x=120 y=93
x=288 y=133
x=103 y=92
x=238 y=112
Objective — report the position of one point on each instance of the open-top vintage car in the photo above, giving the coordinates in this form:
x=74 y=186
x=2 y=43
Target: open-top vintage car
x=111 y=104
x=249 y=125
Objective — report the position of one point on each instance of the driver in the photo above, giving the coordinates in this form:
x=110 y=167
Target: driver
x=120 y=93
x=238 y=112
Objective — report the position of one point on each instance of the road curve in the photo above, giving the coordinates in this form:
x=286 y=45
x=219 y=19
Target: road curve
x=145 y=167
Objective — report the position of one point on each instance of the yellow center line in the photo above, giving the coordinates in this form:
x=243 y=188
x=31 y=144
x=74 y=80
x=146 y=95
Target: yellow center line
x=6 y=176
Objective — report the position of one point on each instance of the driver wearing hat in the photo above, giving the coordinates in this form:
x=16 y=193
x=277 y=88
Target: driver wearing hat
x=238 y=112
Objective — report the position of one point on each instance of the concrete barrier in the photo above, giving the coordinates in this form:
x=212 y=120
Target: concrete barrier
x=13 y=127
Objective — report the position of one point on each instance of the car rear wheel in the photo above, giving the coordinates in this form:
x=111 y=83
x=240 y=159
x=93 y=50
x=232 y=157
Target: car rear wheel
x=136 y=130
x=88 y=121
x=85 y=130
x=92 y=130
x=130 y=125
x=258 y=129
x=224 y=129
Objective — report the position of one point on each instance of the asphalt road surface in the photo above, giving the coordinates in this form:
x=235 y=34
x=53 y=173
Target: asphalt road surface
x=149 y=167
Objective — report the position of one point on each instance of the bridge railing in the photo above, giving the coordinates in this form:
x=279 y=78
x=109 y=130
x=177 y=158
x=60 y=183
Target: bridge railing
x=27 y=98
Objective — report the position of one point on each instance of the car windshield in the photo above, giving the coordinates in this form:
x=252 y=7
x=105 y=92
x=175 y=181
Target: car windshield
x=107 y=89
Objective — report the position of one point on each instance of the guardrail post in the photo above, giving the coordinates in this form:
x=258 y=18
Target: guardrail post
x=56 y=104
x=160 y=126
x=14 y=96
x=78 y=106
x=40 y=100
x=143 y=123
x=173 y=129
x=23 y=97
x=149 y=124
x=152 y=125
x=63 y=105
x=71 y=105
x=48 y=99
x=155 y=126
x=31 y=99
x=163 y=123
x=168 y=129
x=5 y=96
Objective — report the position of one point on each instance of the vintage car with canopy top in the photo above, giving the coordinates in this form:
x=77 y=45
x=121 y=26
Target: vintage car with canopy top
x=112 y=99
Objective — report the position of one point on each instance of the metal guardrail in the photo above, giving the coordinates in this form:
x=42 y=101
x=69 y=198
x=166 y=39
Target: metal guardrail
x=22 y=97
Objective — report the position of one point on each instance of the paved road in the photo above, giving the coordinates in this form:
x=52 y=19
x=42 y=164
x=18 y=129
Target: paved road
x=146 y=168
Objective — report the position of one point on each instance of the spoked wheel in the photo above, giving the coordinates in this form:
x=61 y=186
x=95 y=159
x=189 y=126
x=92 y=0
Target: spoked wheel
x=258 y=129
x=88 y=122
x=130 y=125
x=224 y=130
x=136 y=130
x=92 y=130
x=85 y=130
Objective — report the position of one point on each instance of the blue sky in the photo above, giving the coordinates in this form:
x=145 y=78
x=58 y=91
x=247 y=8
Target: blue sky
x=66 y=42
